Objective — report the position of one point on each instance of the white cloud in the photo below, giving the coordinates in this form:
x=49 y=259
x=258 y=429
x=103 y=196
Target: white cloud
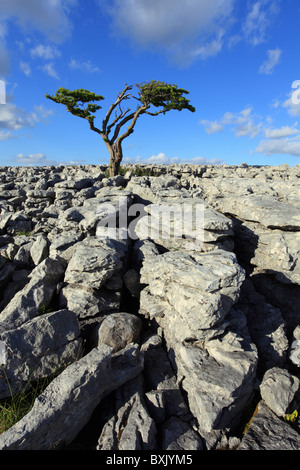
x=40 y=159
x=25 y=67
x=243 y=123
x=47 y=16
x=273 y=59
x=184 y=29
x=249 y=128
x=83 y=66
x=259 y=20
x=4 y=135
x=284 y=131
x=209 y=49
x=44 y=52
x=162 y=159
x=32 y=159
x=13 y=118
x=49 y=69
x=212 y=126
x=204 y=161
x=286 y=146
x=40 y=114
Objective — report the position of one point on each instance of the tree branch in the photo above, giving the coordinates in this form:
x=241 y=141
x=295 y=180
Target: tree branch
x=157 y=112
x=117 y=118
x=134 y=117
x=120 y=98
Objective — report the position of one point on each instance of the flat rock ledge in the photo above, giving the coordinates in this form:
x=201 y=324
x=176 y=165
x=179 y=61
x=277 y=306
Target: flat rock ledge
x=160 y=307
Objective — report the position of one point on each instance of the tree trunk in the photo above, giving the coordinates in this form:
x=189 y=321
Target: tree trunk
x=116 y=156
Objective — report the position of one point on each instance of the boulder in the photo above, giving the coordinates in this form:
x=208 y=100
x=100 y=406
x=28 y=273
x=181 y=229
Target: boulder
x=190 y=297
x=265 y=209
x=131 y=427
x=280 y=390
x=267 y=327
x=268 y=432
x=184 y=223
x=119 y=329
x=38 y=349
x=294 y=352
x=192 y=291
x=39 y=249
x=94 y=262
x=88 y=303
x=66 y=405
x=36 y=295
x=178 y=435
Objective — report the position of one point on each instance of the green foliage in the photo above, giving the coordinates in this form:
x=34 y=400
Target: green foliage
x=43 y=309
x=76 y=100
x=291 y=417
x=23 y=233
x=19 y=404
x=166 y=95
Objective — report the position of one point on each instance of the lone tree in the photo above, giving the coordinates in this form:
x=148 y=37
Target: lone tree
x=150 y=94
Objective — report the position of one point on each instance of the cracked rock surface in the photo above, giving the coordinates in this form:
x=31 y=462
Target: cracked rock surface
x=155 y=329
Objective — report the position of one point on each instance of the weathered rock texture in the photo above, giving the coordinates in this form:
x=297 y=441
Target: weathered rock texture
x=158 y=332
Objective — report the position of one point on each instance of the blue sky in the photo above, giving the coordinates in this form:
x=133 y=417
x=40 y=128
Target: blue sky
x=239 y=60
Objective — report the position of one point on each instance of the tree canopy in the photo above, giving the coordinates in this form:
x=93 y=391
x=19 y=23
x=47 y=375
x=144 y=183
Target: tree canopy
x=155 y=94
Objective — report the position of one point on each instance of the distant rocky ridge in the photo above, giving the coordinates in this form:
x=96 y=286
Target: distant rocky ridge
x=154 y=343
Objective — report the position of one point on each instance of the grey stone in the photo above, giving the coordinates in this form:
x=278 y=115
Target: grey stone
x=294 y=352
x=184 y=223
x=37 y=294
x=278 y=389
x=9 y=251
x=38 y=349
x=214 y=366
x=94 y=262
x=19 y=279
x=131 y=427
x=143 y=249
x=266 y=210
x=210 y=334
x=18 y=222
x=66 y=405
x=266 y=326
x=89 y=302
x=274 y=251
x=39 y=249
x=6 y=270
x=64 y=245
x=268 y=432
x=23 y=256
x=218 y=379
x=201 y=288
x=119 y=329
x=132 y=282
x=178 y=435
